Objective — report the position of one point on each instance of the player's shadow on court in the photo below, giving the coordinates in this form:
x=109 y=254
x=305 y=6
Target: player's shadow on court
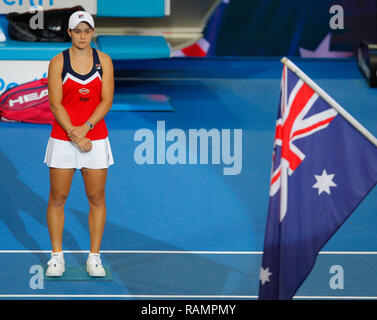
x=159 y=273
x=140 y=273
x=17 y=197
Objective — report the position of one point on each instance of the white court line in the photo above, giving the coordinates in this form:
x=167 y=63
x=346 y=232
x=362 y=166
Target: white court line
x=179 y=252
x=178 y=296
x=137 y=251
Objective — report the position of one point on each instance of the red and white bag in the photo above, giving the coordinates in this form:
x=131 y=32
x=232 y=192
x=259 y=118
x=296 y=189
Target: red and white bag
x=27 y=102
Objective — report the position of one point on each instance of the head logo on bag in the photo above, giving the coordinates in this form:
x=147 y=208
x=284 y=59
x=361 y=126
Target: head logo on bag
x=33 y=96
x=27 y=102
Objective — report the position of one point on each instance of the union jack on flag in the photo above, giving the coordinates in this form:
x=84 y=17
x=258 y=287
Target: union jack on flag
x=296 y=102
x=198 y=49
x=322 y=168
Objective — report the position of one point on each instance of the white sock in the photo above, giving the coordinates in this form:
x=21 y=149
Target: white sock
x=59 y=254
x=93 y=254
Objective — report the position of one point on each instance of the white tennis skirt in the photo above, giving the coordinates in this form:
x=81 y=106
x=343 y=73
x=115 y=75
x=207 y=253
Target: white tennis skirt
x=66 y=154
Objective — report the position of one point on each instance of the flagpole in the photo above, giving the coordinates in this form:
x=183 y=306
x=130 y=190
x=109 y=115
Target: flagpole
x=330 y=100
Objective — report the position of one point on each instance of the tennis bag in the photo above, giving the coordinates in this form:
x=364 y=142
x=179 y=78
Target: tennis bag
x=55 y=25
x=27 y=102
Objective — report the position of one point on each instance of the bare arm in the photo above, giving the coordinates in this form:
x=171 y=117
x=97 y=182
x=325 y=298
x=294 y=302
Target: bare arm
x=55 y=92
x=107 y=92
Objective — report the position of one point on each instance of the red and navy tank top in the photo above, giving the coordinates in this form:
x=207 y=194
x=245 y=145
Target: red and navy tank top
x=81 y=96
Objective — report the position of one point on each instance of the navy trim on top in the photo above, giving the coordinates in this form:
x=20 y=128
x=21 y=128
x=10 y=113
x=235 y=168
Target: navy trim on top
x=67 y=68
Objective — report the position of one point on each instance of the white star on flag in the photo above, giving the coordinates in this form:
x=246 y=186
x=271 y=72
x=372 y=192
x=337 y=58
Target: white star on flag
x=264 y=275
x=324 y=182
x=323 y=50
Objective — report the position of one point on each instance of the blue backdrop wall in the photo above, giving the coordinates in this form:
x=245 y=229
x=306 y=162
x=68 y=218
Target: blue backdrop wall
x=288 y=27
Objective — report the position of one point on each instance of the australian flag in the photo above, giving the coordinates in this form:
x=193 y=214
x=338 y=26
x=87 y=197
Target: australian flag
x=322 y=168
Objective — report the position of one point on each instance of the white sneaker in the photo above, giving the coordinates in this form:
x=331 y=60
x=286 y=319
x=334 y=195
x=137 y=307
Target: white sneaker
x=94 y=265
x=56 y=265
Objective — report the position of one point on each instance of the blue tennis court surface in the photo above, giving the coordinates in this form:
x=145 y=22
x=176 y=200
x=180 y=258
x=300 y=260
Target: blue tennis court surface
x=193 y=229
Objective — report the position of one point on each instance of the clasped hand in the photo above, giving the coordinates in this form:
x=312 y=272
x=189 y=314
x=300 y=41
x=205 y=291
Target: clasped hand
x=77 y=136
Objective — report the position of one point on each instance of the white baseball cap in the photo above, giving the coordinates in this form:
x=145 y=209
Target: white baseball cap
x=80 y=16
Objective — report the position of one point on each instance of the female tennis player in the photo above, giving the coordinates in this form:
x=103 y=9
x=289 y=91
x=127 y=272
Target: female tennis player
x=81 y=89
